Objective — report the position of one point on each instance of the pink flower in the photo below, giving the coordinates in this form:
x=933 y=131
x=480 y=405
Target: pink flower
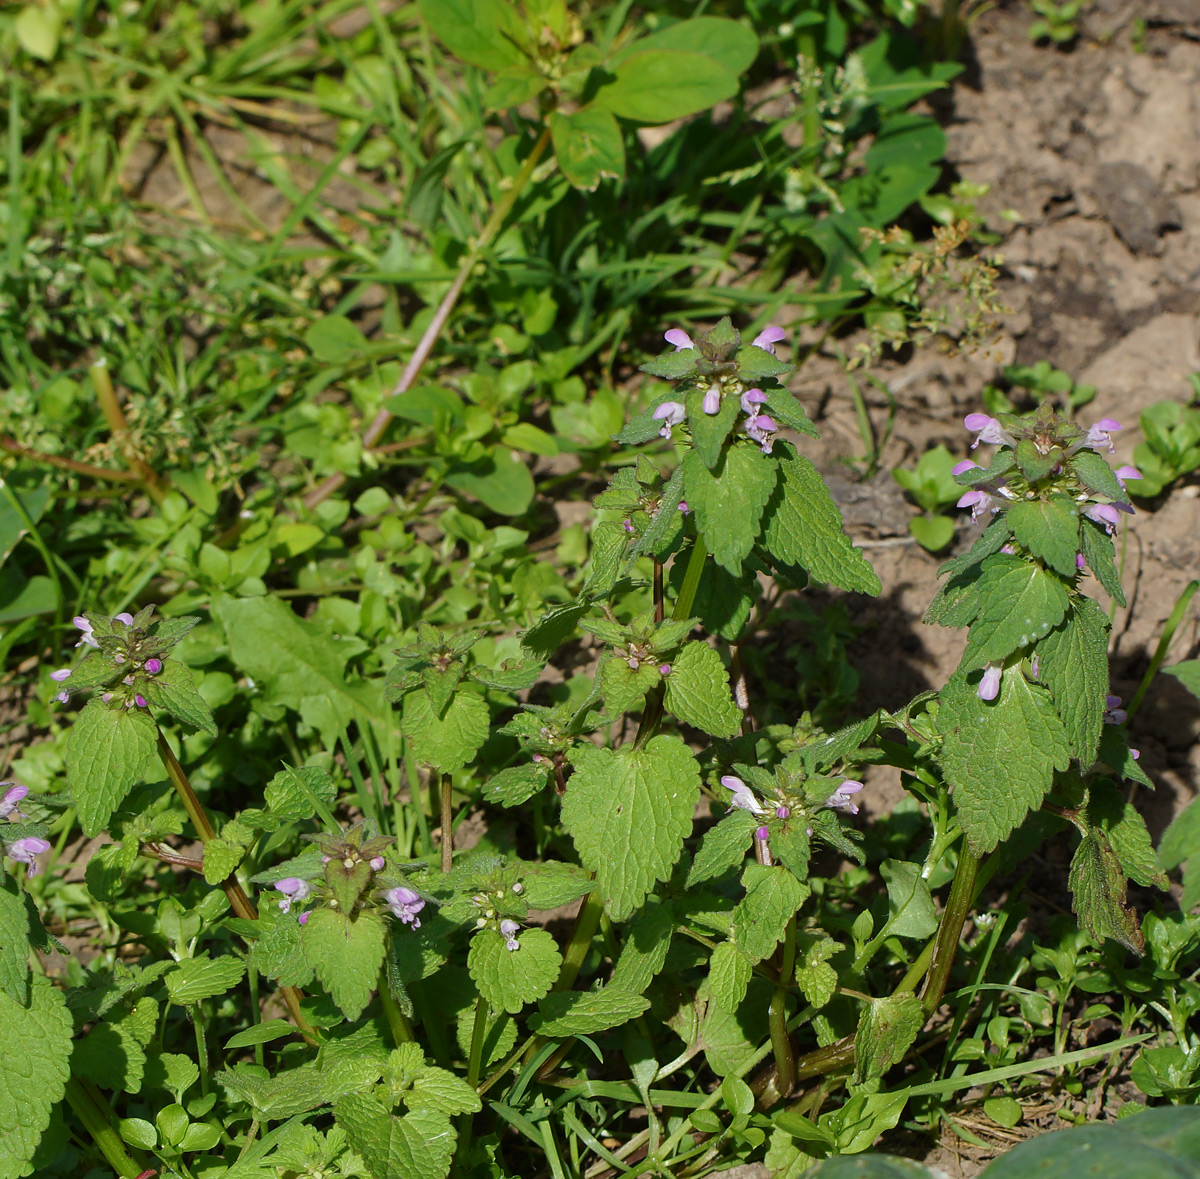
x=1127 y=472
x=1099 y=436
x=87 y=636
x=126 y=618
x=987 y=429
x=679 y=338
x=26 y=849
x=405 y=904
x=60 y=675
x=842 y=798
x=762 y=833
x=1114 y=714
x=965 y=465
x=683 y=506
x=377 y=863
x=762 y=429
x=743 y=798
x=509 y=930
x=989 y=686
x=1107 y=514
x=979 y=501
x=768 y=338
x=9 y=800
x=670 y=413
x=751 y=400
x=782 y=812
x=712 y=399
x=1080 y=563
x=664 y=669
x=153 y=666
x=293 y=889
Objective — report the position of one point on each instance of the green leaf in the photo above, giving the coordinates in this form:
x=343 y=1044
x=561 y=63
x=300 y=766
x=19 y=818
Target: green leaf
x=203 y=977
x=671 y=366
x=1125 y=830
x=1098 y=893
x=932 y=532
x=1187 y=673
x=993 y=539
x=728 y=42
x=221 y=858
x=111 y=1057
x=723 y=847
x=517 y=784
x=697 y=691
x=333 y=339
x=107 y=751
x=589 y=147
x=628 y=813
x=553 y=629
x=449 y=741
x=1020 y=603
x=804 y=527
x=1181 y=840
x=1073 y=664
x=773 y=897
x=609 y=540
x=710 y=431
x=289 y=795
x=723 y=602
x=38 y=28
x=999 y=757
x=419 y=1145
x=508 y=979
x=14 y=942
x=33 y=1075
x=296 y=664
x=1049 y=529
x=484 y=33
x=440 y=1089
x=785 y=409
x=659 y=85
x=345 y=954
x=910 y=906
x=1096 y=475
x=261 y=1033
x=278 y=954
x=729 y=972
x=1097 y=548
x=573 y=1013
x=1114 y=751
x=814 y=976
x=501 y=480
x=663 y=531
x=174 y=691
x=624 y=687
x=729 y=505
x=645 y=950
x=886 y=1029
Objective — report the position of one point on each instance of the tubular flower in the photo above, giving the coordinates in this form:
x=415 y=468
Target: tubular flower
x=1126 y=473
x=509 y=930
x=1114 y=714
x=1099 y=437
x=294 y=889
x=712 y=399
x=9 y=800
x=153 y=666
x=679 y=338
x=743 y=799
x=987 y=429
x=965 y=465
x=989 y=686
x=1107 y=514
x=768 y=338
x=762 y=429
x=751 y=400
x=405 y=904
x=26 y=849
x=670 y=413
x=87 y=637
x=979 y=501
x=842 y=798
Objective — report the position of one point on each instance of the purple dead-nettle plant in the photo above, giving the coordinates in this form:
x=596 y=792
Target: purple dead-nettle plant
x=842 y=799
x=989 y=685
x=987 y=429
x=1114 y=714
x=670 y=413
x=768 y=338
x=405 y=904
x=26 y=850
x=743 y=797
x=10 y=799
x=679 y=339
x=509 y=930
x=295 y=891
x=1099 y=436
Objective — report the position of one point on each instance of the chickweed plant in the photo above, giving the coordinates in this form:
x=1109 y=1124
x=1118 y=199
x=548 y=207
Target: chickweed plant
x=375 y=818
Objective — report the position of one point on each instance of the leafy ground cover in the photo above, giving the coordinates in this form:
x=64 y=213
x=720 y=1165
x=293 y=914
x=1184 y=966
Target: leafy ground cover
x=454 y=762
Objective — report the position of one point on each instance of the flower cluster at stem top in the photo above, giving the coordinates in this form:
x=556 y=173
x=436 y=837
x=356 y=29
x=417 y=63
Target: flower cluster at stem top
x=132 y=653
x=743 y=798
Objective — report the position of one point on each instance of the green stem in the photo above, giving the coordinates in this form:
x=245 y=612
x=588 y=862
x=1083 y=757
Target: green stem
x=91 y=1113
x=466 y=1123
x=962 y=895
x=442 y=315
x=586 y=924
x=806 y=45
x=398 y=1024
x=238 y=900
x=201 y=1047
x=781 y=1042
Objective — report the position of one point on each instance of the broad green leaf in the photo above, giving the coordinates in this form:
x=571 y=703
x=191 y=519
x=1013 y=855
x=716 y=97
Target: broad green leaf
x=999 y=757
x=1098 y=893
x=14 y=942
x=108 y=750
x=419 y=1145
x=278 y=954
x=773 y=897
x=1049 y=529
x=609 y=540
x=994 y=538
x=723 y=603
x=1020 y=603
x=910 y=906
x=1181 y=840
x=553 y=629
x=501 y=480
x=517 y=784
x=221 y=858
x=1187 y=673
x=886 y=1029
x=38 y=27
x=333 y=339
x=174 y=691
x=345 y=954
x=723 y=847
x=697 y=691
x=814 y=976
x=932 y=532
x=710 y=431
x=647 y=941
x=659 y=85
x=573 y=1013
x=528 y=437
x=628 y=813
x=729 y=971
x=33 y=1073
x=296 y=664
x=289 y=795
x=1115 y=751
x=784 y=408
x=1097 y=548
x=1096 y=475
x=728 y=504
x=449 y=741
x=1073 y=664
x=437 y=1088
x=110 y=1057
x=625 y=688
x=729 y=1037
x=729 y=42
x=260 y=1033
x=589 y=147
x=1125 y=829
x=508 y=979
x=804 y=527
x=203 y=977
x=484 y=33
x=671 y=366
